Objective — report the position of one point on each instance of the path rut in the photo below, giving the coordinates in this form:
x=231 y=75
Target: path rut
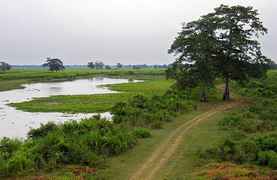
x=164 y=152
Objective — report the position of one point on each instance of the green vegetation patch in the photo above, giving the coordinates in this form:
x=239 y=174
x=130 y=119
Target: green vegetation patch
x=11 y=84
x=96 y=102
x=86 y=143
x=253 y=130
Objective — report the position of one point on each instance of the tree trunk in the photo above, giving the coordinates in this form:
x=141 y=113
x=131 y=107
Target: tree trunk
x=226 y=95
x=204 y=96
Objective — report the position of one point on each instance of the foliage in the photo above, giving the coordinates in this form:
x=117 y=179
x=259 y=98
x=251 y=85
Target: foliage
x=253 y=129
x=96 y=65
x=240 y=55
x=54 y=64
x=142 y=132
x=119 y=65
x=195 y=48
x=96 y=102
x=5 y=66
x=87 y=143
x=151 y=112
x=222 y=43
x=91 y=65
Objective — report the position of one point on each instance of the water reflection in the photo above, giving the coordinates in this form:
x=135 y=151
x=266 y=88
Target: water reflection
x=15 y=123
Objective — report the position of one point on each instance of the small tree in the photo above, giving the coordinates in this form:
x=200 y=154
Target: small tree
x=91 y=65
x=54 y=64
x=4 y=66
x=272 y=65
x=119 y=65
x=108 y=67
x=99 y=65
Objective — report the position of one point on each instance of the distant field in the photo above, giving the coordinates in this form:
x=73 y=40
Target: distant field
x=16 y=77
x=98 y=102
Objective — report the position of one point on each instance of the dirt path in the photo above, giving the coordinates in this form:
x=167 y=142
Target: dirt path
x=163 y=153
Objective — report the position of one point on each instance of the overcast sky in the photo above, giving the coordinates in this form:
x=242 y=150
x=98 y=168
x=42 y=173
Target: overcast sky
x=126 y=31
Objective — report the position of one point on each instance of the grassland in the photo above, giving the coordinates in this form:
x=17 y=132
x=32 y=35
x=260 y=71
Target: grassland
x=155 y=83
x=97 y=102
x=122 y=166
x=16 y=77
x=185 y=162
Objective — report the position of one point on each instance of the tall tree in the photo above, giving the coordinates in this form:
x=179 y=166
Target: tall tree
x=195 y=48
x=54 y=64
x=239 y=53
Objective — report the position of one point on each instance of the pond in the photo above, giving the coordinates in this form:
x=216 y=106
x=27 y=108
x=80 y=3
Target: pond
x=16 y=124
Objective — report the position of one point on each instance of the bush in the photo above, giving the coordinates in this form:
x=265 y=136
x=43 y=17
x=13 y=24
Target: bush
x=253 y=129
x=230 y=121
x=8 y=147
x=43 y=130
x=264 y=157
x=273 y=161
x=142 y=133
x=246 y=151
x=86 y=142
x=151 y=112
x=19 y=163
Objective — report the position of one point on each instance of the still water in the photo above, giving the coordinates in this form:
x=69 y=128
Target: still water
x=16 y=123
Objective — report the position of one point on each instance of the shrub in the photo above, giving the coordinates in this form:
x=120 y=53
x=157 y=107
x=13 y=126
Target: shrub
x=19 y=163
x=264 y=157
x=230 y=121
x=42 y=130
x=266 y=142
x=86 y=142
x=142 y=133
x=246 y=151
x=273 y=161
x=8 y=147
x=138 y=101
x=151 y=112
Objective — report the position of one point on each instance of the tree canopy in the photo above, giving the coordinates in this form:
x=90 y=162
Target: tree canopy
x=91 y=65
x=96 y=65
x=224 y=44
x=4 y=66
x=54 y=64
x=195 y=48
x=119 y=65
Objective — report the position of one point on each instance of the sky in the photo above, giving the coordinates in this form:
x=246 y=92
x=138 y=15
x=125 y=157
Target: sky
x=125 y=31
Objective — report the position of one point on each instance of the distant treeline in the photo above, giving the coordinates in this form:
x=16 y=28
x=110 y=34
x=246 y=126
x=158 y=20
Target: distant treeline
x=112 y=66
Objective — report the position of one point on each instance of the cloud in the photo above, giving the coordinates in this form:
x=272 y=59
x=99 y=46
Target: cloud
x=126 y=31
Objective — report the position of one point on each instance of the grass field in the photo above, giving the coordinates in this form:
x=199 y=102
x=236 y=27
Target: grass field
x=121 y=167
x=185 y=162
x=97 y=102
x=16 y=77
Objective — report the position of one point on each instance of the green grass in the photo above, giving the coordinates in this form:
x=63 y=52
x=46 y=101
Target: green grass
x=6 y=85
x=186 y=160
x=98 y=102
x=122 y=166
x=183 y=164
x=14 y=78
x=44 y=74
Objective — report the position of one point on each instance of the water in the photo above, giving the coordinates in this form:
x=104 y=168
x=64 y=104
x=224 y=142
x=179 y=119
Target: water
x=16 y=123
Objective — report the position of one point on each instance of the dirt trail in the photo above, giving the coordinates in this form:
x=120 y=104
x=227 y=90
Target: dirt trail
x=163 y=153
